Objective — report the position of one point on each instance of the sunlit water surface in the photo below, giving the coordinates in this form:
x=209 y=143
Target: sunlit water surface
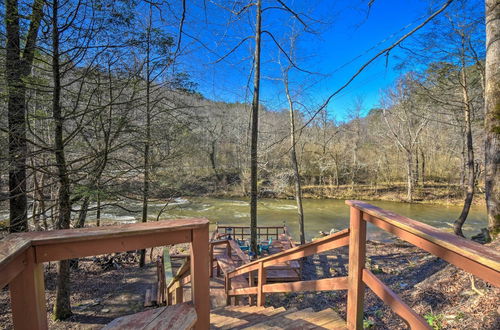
x=323 y=214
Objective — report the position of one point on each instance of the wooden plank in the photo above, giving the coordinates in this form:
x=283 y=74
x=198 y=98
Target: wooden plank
x=390 y=298
x=27 y=292
x=12 y=252
x=472 y=250
x=181 y=316
x=333 y=241
x=327 y=284
x=105 y=232
x=78 y=249
x=13 y=267
x=243 y=291
x=236 y=249
x=135 y=321
x=179 y=295
x=478 y=269
x=261 y=280
x=225 y=263
x=200 y=280
x=357 y=251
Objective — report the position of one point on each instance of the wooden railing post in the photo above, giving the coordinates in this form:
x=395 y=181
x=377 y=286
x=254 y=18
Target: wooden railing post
x=200 y=277
x=261 y=299
x=357 y=253
x=227 y=287
x=179 y=294
x=211 y=256
x=251 y=298
x=27 y=292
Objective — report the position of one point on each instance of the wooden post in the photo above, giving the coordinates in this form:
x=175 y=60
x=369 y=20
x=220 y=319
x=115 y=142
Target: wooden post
x=227 y=287
x=211 y=256
x=199 y=277
x=251 y=298
x=261 y=298
x=179 y=294
x=357 y=253
x=27 y=292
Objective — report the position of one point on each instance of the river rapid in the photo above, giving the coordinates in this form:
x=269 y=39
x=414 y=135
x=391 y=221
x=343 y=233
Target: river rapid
x=320 y=214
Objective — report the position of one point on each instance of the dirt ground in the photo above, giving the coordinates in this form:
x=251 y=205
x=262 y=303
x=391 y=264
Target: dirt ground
x=441 y=293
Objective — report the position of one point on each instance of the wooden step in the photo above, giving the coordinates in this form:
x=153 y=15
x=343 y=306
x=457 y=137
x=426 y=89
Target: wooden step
x=180 y=316
x=263 y=316
x=222 y=319
x=279 y=320
x=303 y=319
x=276 y=320
x=319 y=319
x=255 y=317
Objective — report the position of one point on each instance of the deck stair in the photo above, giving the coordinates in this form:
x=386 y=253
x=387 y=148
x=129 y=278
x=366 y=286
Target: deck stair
x=260 y=318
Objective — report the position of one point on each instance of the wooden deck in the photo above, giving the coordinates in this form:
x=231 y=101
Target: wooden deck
x=288 y=271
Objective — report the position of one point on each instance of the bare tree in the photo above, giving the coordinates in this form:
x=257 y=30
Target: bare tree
x=293 y=154
x=255 y=129
x=399 y=115
x=18 y=63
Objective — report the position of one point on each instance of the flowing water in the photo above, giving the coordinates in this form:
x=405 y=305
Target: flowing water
x=321 y=215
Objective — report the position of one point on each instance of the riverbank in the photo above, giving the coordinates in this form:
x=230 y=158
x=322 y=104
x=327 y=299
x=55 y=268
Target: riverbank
x=430 y=193
x=435 y=193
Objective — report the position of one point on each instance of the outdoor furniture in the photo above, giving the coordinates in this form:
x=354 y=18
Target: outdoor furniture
x=264 y=246
x=243 y=245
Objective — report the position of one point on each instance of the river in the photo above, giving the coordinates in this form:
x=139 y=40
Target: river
x=323 y=214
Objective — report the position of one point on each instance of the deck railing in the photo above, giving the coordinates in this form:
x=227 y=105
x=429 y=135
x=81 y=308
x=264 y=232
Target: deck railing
x=244 y=232
x=321 y=245
x=22 y=257
x=470 y=256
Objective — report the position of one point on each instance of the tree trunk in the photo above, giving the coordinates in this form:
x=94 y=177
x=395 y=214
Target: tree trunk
x=492 y=118
x=17 y=69
x=147 y=142
x=409 y=174
x=213 y=161
x=469 y=165
x=422 y=176
x=98 y=211
x=416 y=170
x=295 y=164
x=255 y=132
x=62 y=307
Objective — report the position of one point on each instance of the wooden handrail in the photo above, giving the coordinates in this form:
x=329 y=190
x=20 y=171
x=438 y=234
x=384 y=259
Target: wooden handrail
x=22 y=255
x=414 y=320
x=320 y=245
x=467 y=255
x=473 y=257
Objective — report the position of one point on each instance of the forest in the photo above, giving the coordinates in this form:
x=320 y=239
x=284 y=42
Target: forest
x=98 y=104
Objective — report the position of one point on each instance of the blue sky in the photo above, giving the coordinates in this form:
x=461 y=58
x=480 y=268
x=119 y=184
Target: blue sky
x=346 y=36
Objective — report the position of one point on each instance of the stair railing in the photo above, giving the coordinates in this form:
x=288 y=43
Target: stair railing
x=259 y=266
x=22 y=257
x=470 y=256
